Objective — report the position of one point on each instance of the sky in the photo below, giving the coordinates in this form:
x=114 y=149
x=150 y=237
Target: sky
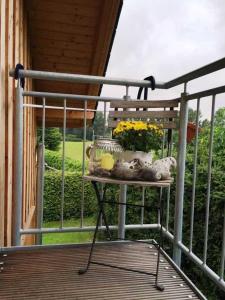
x=166 y=39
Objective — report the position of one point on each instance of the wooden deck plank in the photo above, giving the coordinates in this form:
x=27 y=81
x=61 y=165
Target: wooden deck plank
x=53 y=274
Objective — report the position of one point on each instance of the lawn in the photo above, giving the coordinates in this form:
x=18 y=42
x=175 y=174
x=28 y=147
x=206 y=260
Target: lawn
x=68 y=237
x=74 y=150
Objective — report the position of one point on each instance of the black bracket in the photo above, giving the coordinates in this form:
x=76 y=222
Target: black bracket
x=17 y=76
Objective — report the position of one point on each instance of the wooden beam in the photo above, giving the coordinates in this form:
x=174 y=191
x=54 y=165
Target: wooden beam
x=2 y=117
x=86 y=39
x=75 y=8
x=57 y=67
x=9 y=125
x=51 y=59
x=60 y=26
x=50 y=42
x=70 y=19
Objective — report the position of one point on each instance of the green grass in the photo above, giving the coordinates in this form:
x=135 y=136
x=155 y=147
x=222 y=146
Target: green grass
x=74 y=150
x=68 y=237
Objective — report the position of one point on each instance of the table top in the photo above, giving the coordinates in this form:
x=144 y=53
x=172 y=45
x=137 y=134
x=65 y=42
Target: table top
x=161 y=183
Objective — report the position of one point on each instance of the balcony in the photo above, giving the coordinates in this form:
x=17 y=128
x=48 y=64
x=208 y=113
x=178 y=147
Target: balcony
x=54 y=268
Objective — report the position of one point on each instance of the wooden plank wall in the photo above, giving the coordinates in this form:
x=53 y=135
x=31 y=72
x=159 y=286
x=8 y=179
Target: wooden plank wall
x=14 y=48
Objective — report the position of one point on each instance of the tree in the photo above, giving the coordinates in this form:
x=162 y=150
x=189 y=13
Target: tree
x=192 y=114
x=99 y=124
x=53 y=138
x=220 y=117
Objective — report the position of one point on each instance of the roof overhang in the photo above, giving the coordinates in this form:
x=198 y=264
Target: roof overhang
x=71 y=36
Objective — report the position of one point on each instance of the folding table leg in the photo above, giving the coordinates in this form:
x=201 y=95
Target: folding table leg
x=101 y=212
x=101 y=201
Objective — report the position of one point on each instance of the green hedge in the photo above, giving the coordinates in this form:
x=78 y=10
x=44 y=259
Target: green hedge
x=73 y=192
x=54 y=160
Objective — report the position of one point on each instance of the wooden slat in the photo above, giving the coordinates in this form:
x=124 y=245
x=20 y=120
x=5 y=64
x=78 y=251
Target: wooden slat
x=52 y=59
x=144 y=104
x=50 y=42
x=65 y=18
x=143 y=114
x=61 y=27
x=2 y=116
x=58 y=52
x=9 y=141
x=58 y=67
x=162 y=183
x=76 y=9
x=168 y=125
x=62 y=37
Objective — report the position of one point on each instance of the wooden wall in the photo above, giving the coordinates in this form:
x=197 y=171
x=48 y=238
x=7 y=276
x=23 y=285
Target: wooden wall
x=14 y=48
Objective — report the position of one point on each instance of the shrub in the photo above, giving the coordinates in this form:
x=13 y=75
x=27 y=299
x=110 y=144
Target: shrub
x=72 y=200
x=54 y=160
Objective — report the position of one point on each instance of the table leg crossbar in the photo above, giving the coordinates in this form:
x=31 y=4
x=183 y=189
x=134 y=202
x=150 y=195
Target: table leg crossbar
x=101 y=213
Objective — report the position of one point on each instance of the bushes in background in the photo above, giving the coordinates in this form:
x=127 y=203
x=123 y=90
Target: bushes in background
x=72 y=200
x=54 y=160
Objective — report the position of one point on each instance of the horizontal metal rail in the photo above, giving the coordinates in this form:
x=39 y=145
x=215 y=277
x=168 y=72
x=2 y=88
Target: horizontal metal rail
x=84 y=78
x=40 y=106
x=63 y=96
x=209 y=272
x=201 y=94
x=86 y=229
x=205 y=70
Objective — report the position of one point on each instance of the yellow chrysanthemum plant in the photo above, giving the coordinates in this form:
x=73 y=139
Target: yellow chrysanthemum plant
x=139 y=135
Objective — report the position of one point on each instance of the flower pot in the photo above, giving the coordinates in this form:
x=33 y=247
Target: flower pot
x=191 y=131
x=144 y=157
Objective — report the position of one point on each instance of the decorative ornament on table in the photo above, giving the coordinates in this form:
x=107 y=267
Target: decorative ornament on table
x=136 y=170
x=161 y=169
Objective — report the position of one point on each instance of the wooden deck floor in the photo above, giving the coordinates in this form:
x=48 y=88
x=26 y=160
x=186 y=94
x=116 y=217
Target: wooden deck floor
x=52 y=274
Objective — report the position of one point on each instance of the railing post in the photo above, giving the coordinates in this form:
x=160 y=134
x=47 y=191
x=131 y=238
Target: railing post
x=18 y=166
x=40 y=189
x=122 y=212
x=178 y=222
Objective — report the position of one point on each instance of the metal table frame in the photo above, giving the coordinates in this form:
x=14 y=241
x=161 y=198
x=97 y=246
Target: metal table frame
x=101 y=198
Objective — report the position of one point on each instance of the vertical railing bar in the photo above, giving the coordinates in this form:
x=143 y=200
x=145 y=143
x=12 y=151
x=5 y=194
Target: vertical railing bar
x=194 y=176
x=18 y=166
x=180 y=178
x=162 y=156
x=63 y=166
x=43 y=142
x=142 y=203
x=42 y=165
x=223 y=249
x=104 y=129
x=169 y=152
x=209 y=181
x=83 y=164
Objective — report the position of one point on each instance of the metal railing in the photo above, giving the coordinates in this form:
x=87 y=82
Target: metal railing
x=176 y=237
